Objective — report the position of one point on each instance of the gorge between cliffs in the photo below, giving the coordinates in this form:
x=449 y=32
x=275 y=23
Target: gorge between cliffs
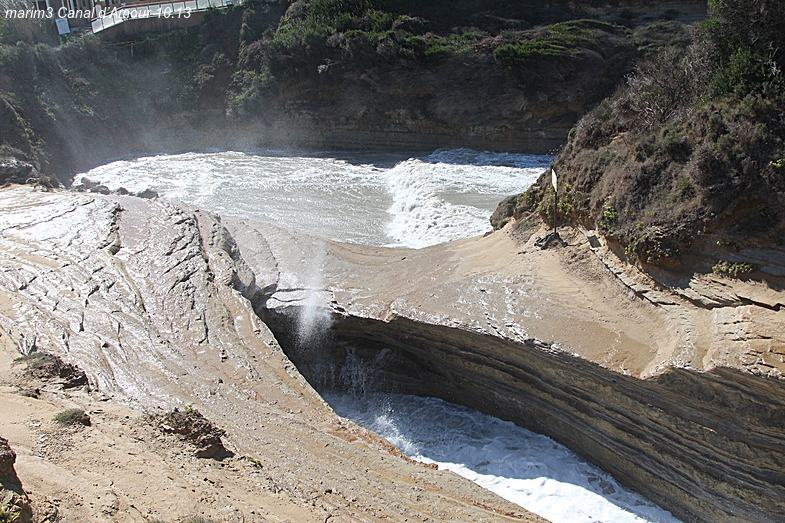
x=217 y=233
x=671 y=385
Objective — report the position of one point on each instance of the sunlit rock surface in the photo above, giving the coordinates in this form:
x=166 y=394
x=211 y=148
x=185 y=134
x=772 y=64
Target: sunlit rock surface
x=681 y=401
x=676 y=389
x=151 y=300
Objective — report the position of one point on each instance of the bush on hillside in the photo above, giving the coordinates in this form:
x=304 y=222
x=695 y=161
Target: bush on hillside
x=691 y=146
x=25 y=29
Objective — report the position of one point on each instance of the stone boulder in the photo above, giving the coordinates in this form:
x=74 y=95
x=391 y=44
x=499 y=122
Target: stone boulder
x=48 y=367
x=15 y=171
x=196 y=430
x=13 y=500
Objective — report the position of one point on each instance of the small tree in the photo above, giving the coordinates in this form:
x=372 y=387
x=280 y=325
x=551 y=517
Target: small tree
x=744 y=41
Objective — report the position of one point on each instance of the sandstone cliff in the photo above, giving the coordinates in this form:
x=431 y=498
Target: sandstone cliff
x=151 y=299
x=675 y=389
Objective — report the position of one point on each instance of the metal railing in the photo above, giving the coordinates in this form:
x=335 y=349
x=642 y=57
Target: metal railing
x=114 y=15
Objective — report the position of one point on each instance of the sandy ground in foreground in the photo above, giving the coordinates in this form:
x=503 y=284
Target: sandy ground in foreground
x=146 y=297
x=150 y=299
x=121 y=468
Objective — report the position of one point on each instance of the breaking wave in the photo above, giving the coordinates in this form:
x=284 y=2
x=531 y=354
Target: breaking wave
x=368 y=198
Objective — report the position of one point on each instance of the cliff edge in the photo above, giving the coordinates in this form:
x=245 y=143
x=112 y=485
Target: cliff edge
x=153 y=301
x=675 y=390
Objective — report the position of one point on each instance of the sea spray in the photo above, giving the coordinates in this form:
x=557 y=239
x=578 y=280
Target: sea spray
x=314 y=320
x=360 y=377
x=526 y=468
x=366 y=198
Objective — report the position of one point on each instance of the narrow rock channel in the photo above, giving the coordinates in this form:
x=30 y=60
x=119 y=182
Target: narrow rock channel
x=160 y=305
x=706 y=444
x=677 y=439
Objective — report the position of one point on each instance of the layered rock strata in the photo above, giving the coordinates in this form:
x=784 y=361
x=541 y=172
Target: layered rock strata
x=679 y=400
x=676 y=390
x=151 y=300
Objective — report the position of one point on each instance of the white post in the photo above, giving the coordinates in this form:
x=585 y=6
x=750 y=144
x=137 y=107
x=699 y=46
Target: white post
x=554 y=182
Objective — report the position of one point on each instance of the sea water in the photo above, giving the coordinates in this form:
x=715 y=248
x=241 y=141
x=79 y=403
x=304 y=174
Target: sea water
x=369 y=198
x=412 y=201
x=528 y=469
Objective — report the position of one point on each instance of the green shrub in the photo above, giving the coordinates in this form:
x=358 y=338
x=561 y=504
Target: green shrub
x=381 y=21
x=734 y=270
x=72 y=417
x=743 y=42
x=551 y=41
x=692 y=144
x=7 y=515
x=327 y=11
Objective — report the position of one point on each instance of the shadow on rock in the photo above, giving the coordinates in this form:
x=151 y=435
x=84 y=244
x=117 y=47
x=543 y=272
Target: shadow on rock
x=14 y=503
x=195 y=429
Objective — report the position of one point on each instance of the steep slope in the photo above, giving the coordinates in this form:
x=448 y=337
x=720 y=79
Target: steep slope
x=312 y=74
x=151 y=300
x=683 y=168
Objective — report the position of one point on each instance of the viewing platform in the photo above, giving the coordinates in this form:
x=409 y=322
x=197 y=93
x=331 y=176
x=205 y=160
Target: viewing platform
x=154 y=16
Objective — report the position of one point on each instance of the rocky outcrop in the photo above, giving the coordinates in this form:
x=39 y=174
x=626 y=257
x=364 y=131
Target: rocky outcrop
x=646 y=384
x=14 y=171
x=192 y=427
x=159 y=303
x=48 y=367
x=151 y=300
x=13 y=500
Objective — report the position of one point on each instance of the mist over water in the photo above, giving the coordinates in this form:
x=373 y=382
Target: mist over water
x=369 y=198
x=397 y=200
x=528 y=469
x=313 y=319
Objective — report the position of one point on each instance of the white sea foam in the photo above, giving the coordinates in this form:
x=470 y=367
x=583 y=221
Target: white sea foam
x=528 y=469
x=385 y=199
x=375 y=199
x=451 y=193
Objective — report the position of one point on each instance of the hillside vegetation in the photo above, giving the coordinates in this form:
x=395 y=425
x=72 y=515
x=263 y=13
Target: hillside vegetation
x=690 y=149
x=326 y=73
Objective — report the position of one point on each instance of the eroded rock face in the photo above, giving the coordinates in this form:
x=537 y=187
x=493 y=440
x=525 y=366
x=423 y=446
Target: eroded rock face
x=708 y=446
x=155 y=301
x=663 y=393
x=12 y=497
x=152 y=300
